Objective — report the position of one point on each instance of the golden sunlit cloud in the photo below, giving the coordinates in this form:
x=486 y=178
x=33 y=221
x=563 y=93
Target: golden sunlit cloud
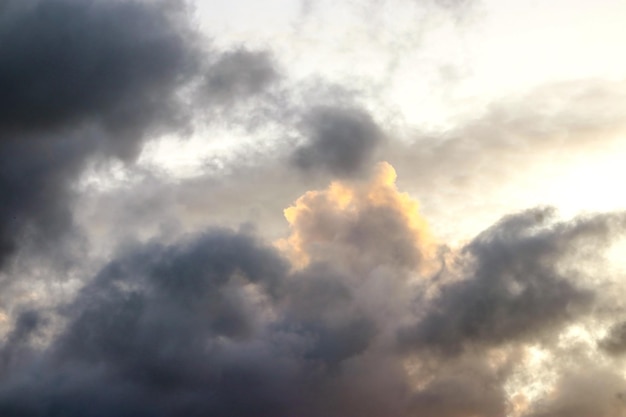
x=359 y=225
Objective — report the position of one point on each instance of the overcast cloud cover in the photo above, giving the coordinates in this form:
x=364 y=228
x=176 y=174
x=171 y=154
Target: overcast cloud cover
x=390 y=208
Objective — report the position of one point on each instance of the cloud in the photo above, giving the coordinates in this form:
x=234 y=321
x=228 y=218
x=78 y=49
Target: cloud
x=521 y=277
x=16 y=350
x=357 y=309
x=239 y=74
x=115 y=64
x=224 y=323
x=464 y=169
x=87 y=81
x=80 y=79
x=118 y=322
x=221 y=323
x=593 y=391
x=340 y=141
x=615 y=342
x=368 y=222
x=194 y=328
x=470 y=386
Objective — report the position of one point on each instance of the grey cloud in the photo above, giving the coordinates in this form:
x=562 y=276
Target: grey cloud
x=338 y=331
x=310 y=342
x=340 y=141
x=615 y=341
x=238 y=75
x=218 y=324
x=116 y=64
x=594 y=390
x=80 y=79
x=152 y=321
x=336 y=342
x=35 y=177
x=516 y=284
x=16 y=350
x=469 y=386
x=87 y=81
x=158 y=332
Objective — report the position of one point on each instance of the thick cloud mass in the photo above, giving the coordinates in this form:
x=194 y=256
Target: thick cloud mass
x=78 y=79
x=132 y=297
x=90 y=80
x=222 y=323
x=67 y=62
x=519 y=285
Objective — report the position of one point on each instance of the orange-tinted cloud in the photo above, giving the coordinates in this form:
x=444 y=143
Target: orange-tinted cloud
x=359 y=225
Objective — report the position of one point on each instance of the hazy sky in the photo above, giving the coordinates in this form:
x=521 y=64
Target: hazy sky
x=312 y=208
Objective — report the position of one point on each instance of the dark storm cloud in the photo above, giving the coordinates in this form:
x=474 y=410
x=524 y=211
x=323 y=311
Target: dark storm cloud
x=16 y=347
x=341 y=141
x=117 y=64
x=162 y=288
x=152 y=322
x=78 y=78
x=173 y=330
x=518 y=286
x=34 y=177
x=89 y=80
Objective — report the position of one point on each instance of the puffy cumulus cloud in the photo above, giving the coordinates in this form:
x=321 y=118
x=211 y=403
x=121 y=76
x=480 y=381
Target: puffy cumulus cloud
x=131 y=333
x=520 y=278
x=360 y=225
x=213 y=325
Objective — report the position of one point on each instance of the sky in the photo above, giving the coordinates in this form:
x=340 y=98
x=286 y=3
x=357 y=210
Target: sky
x=312 y=208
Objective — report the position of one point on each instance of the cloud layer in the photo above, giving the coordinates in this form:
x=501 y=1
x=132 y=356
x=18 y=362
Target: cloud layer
x=291 y=274
x=352 y=315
